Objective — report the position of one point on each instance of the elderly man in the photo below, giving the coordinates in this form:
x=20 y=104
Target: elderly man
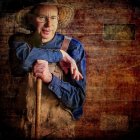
x=59 y=61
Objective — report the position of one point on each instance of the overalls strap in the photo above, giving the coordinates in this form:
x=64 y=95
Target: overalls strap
x=65 y=43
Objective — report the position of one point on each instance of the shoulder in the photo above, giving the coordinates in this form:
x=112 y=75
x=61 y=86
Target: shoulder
x=76 y=49
x=73 y=41
x=76 y=45
x=76 y=42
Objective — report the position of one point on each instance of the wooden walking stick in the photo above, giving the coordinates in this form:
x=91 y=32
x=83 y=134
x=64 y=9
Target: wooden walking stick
x=38 y=107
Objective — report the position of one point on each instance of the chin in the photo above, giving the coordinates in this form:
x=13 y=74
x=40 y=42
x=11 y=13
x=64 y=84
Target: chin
x=45 y=36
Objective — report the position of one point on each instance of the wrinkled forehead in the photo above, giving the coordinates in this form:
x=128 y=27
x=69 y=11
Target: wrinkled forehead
x=44 y=9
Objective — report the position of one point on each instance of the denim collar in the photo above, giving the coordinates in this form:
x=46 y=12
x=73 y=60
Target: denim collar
x=55 y=42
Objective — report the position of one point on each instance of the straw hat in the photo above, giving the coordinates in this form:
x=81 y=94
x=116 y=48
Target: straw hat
x=66 y=13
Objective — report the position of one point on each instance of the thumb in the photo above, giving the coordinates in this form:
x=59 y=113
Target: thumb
x=41 y=61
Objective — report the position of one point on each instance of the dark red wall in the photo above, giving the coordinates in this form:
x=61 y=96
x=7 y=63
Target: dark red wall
x=110 y=32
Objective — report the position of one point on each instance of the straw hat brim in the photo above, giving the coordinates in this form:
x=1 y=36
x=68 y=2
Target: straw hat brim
x=66 y=13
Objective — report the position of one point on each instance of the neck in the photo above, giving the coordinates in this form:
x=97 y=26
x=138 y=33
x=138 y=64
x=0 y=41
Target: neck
x=45 y=40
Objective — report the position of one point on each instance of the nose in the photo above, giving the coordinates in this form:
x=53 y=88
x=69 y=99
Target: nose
x=47 y=23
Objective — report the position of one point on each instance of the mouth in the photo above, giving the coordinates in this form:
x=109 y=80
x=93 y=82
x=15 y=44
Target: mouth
x=46 y=31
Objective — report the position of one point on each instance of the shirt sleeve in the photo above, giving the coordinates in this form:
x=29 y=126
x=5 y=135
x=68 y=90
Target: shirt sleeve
x=72 y=93
x=28 y=56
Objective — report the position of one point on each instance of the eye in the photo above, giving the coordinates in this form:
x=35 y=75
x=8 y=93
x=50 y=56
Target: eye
x=54 y=17
x=41 y=17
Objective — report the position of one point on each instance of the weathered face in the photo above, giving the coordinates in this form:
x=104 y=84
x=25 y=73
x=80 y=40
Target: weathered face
x=46 y=22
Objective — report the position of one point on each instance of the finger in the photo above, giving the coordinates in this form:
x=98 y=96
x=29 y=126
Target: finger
x=39 y=71
x=80 y=76
x=38 y=75
x=72 y=70
x=42 y=61
x=77 y=77
x=37 y=68
x=75 y=74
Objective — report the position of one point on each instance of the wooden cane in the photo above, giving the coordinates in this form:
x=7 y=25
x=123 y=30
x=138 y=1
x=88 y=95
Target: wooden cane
x=38 y=107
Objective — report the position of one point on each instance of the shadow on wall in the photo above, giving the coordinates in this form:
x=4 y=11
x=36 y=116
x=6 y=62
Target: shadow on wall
x=15 y=5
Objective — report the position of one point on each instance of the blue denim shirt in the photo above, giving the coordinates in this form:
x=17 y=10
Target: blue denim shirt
x=71 y=93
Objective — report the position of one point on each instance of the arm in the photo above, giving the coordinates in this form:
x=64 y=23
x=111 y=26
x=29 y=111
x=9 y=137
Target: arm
x=28 y=55
x=72 y=91
x=22 y=55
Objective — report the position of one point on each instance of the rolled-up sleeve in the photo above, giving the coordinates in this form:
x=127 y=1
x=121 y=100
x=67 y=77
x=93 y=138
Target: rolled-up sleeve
x=28 y=55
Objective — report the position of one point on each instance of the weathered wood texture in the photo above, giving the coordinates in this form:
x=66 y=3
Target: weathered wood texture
x=112 y=103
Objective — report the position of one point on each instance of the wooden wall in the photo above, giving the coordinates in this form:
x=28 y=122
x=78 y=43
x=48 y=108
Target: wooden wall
x=110 y=32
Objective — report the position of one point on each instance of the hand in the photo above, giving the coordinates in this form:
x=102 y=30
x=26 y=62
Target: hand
x=69 y=63
x=41 y=70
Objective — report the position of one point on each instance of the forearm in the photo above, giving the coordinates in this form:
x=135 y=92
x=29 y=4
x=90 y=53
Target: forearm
x=42 y=54
x=28 y=56
x=71 y=94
